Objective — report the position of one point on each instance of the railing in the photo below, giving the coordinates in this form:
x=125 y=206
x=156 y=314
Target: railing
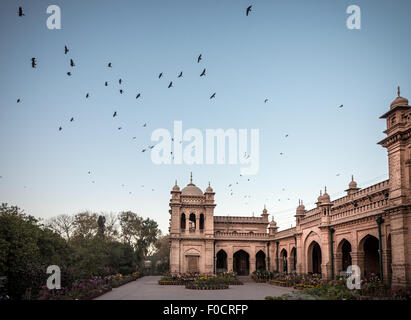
x=239 y=219
x=248 y=235
x=362 y=209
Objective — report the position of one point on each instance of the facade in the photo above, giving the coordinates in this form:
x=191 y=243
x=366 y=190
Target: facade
x=367 y=227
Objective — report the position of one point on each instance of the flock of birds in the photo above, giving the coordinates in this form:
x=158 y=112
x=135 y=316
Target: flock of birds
x=139 y=95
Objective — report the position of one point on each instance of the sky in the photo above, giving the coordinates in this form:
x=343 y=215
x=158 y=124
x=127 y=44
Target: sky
x=298 y=54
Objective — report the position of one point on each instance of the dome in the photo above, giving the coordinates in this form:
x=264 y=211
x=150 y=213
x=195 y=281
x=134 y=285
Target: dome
x=320 y=198
x=399 y=101
x=265 y=210
x=191 y=190
x=326 y=197
x=273 y=224
x=352 y=184
x=176 y=187
x=209 y=189
x=301 y=208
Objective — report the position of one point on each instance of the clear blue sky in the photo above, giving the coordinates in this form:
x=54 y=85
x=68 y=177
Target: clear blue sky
x=298 y=54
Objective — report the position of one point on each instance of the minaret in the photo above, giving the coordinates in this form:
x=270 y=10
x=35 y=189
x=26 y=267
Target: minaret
x=300 y=212
x=352 y=187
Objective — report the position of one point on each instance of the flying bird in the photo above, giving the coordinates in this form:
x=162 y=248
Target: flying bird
x=171 y=84
x=341 y=106
x=69 y=73
x=18 y=100
x=72 y=63
x=72 y=119
x=121 y=91
x=115 y=114
x=109 y=65
x=33 y=62
x=60 y=128
x=286 y=135
x=199 y=59
x=119 y=81
x=144 y=150
x=119 y=128
x=212 y=96
x=181 y=74
x=87 y=95
x=138 y=96
x=248 y=10
x=66 y=50
x=106 y=83
x=89 y=172
x=160 y=75
x=266 y=100
x=203 y=73
x=21 y=12
x=145 y=125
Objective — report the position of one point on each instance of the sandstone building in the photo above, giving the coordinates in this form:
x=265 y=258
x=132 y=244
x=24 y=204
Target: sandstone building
x=368 y=227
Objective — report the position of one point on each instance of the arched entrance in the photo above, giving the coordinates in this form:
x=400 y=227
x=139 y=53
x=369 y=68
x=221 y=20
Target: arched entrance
x=345 y=255
x=293 y=259
x=241 y=263
x=221 y=265
x=283 y=261
x=260 y=260
x=314 y=258
x=371 y=257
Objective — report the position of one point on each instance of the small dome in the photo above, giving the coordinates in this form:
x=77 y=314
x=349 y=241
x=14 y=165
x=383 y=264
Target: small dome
x=265 y=210
x=399 y=101
x=326 y=197
x=352 y=184
x=320 y=198
x=301 y=208
x=209 y=189
x=273 y=224
x=176 y=187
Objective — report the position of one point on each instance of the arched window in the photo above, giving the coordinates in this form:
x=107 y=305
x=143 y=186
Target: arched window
x=183 y=222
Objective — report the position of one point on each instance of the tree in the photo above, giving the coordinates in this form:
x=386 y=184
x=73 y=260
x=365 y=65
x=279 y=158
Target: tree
x=63 y=225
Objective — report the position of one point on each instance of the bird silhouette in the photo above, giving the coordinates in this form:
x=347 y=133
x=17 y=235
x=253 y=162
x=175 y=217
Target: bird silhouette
x=181 y=74
x=72 y=63
x=33 y=62
x=69 y=73
x=21 y=14
x=121 y=91
x=119 y=81
x=89 y=172
x=114 y=114
x=106 y=83
x=144 y=150
x=60 y=128
x=286 y=135
x=212 y=96
x=171 y=84
x=18 y=100
x=109 y=65
x=160 y=75
x=66 y=50
x=248 y=10
x=203 y=73
x=138 y=96
x=87 y=95
x=199 y=59
x=72 y=119
x=266 y=100
x=119 y=128
x=145 y=125
x=341 y=106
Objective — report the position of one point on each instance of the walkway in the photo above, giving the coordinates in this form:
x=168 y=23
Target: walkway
x=147 y=288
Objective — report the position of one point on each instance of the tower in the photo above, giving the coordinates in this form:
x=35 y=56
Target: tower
x=398 y=145
x=192 y=229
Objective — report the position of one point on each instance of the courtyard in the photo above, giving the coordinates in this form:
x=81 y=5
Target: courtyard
x=147 y=288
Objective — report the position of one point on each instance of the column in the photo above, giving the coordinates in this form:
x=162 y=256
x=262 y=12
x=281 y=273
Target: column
x=187 y=224
x=197 y=224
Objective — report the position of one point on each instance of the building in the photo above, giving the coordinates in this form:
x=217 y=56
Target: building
x=367 y=227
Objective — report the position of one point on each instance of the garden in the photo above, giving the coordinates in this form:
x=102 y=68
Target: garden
x=86 y=289
x=197 y=281
x=312 y=287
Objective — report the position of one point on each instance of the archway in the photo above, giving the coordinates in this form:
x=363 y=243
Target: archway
x=371 y=257
x=183 y=222
x=293 y=259
x=241 y=263
x=201 y=221
x=260 y=260
x=221 y=265
x=345 y=255
x=314 y=258
x=192 y=222
x=283 y=261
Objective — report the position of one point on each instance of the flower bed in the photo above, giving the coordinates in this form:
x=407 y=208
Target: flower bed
x=206 y=286
x=280 y=283
x=172 y=282
x=261 y=276
x=227 y=278
x=87 y=289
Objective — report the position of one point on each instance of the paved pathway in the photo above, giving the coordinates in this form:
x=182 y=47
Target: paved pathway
x=147 y=288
